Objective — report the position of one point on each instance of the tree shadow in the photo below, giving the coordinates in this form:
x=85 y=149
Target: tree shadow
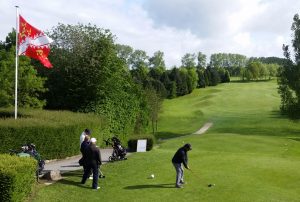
x=149 y=186
x=168 y=135
x=8 y=114
x=295 y=138
x=277 y=114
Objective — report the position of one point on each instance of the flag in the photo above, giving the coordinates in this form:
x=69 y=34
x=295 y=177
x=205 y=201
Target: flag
x=33 y=43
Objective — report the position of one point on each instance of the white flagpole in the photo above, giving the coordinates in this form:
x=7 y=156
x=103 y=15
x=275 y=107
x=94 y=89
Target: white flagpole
x=16 y=71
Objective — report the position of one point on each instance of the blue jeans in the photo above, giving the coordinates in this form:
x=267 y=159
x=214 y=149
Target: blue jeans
x=86 y=174
x=179 y=173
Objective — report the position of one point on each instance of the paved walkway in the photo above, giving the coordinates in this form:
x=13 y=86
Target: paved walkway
x=71 y=163
x=203 y=129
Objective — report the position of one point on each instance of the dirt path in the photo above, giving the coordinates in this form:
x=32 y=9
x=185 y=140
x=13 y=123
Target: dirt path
x=203 y=129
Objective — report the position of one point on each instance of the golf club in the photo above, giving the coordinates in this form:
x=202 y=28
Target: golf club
x=101 y=174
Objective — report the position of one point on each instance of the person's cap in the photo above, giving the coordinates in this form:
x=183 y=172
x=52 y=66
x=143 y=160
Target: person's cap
x=87 y=131
x=93 y=140
x=188 y=146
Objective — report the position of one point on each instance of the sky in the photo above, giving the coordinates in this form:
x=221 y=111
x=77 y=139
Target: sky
x=254 y=28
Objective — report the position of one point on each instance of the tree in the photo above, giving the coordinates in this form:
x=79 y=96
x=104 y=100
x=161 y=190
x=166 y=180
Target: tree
x=201 y=80
x=138 y=60
x=89 y=76
x=154 y=102
x=192 y=79
x=188 y=60
x=289 y=75
x=253 y=68
x=201 y=58
x=30 y=85
x=157 y=61
x=124 y=52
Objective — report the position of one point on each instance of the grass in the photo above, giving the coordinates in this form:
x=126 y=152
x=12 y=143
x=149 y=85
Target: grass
x=251 y=153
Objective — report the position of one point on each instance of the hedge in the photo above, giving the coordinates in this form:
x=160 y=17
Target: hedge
x=17 y=177
x=132 y=142
x=55 y=133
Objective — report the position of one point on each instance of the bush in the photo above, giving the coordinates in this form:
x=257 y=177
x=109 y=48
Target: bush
x=132 y=142
x=17 y=177
x=55 y=133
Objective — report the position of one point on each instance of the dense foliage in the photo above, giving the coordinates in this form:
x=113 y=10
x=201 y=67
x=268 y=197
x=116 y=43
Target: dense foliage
x=30 y=85
x=88 y=76
x=17 y=177
x=55 y=133
x=289 y=75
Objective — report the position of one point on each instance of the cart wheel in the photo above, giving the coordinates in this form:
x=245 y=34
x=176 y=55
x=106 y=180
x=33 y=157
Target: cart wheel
x=110 y=159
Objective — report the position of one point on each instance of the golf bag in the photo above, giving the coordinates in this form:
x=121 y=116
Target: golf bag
x=29 y=150
x=119 y=152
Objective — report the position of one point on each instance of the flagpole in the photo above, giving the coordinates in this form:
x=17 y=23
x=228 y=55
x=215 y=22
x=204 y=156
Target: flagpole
x=16 y=71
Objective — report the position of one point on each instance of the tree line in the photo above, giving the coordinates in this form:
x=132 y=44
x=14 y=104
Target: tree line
x=94 y=74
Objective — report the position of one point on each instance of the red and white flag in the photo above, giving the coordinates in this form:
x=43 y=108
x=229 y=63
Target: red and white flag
x=33 y=43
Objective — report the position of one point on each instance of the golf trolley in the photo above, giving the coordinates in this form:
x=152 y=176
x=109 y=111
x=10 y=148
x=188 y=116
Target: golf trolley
x=29 y=150
x=119 y=152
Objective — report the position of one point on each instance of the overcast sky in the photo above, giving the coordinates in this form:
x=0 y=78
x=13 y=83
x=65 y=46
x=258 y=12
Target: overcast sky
x=255 y=28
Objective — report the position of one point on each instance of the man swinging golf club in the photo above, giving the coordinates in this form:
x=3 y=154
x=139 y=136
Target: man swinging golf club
x=180 y=158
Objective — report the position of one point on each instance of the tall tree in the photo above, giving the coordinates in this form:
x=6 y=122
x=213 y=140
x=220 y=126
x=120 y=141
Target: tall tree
x=201 y=58
x=89 y=76
x=157 y=61
x=188 y=60
x=124 y=52
x=289 y=75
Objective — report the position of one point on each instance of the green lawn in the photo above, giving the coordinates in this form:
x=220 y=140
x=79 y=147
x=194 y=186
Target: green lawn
x=251 y=153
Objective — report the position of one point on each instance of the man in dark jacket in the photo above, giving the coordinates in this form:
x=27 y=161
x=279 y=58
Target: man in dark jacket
x=92 y=161
x=180 y=158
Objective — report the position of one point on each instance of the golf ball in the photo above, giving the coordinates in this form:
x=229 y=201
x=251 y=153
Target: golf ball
x=152 y=176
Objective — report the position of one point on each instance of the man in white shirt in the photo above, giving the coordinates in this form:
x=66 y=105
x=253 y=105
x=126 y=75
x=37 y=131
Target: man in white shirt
x=83 y=134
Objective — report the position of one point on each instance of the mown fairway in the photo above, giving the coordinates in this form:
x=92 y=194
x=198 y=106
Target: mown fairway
x=251 y=153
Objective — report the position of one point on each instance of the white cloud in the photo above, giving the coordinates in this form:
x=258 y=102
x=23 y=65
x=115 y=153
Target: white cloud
x=242 y=39
x=253 y=28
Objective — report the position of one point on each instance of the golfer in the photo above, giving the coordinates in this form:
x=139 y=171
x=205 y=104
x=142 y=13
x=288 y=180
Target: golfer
x=180 y=158
x=92 y=158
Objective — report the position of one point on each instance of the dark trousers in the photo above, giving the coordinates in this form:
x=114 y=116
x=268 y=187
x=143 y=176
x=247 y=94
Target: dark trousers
x=87 y=173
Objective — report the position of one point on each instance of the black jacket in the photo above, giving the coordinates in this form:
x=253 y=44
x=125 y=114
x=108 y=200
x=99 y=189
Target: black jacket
x=181 y=157
x=84 y=145
x=91 y=155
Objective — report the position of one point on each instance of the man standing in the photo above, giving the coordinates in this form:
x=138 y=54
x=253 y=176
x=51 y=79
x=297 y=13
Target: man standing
x=180 y=158
x=83 y=134
x=92 y=161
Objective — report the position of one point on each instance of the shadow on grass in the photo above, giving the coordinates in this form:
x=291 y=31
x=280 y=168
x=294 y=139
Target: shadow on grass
x=149 y=186
x=7 y=114
x=251 y=81
x=276 y=114
x=70 y=181
x=168 y=135
x=295 y=138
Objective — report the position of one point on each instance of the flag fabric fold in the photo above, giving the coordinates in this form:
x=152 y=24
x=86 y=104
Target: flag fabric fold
x=33 y=43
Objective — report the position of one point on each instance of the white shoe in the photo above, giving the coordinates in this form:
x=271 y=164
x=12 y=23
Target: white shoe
x=91 y=177
x=97 y=188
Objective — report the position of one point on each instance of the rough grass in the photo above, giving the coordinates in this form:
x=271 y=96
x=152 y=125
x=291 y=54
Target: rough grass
x=251 y=153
